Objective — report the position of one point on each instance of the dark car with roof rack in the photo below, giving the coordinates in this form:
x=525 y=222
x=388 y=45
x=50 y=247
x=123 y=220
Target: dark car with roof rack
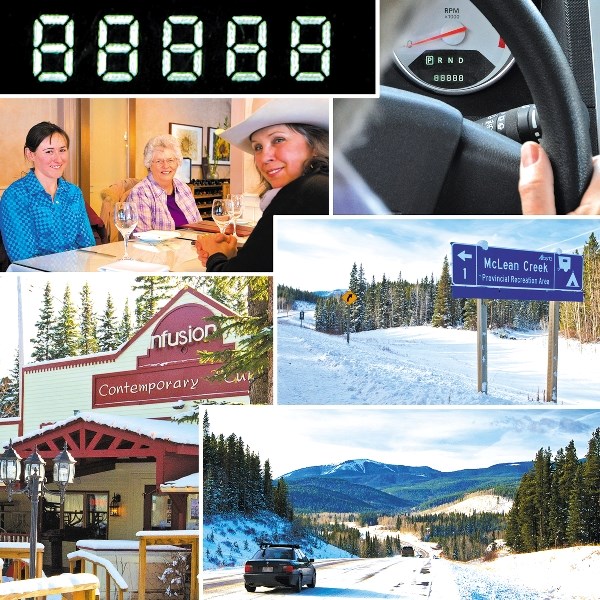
x=279 y=565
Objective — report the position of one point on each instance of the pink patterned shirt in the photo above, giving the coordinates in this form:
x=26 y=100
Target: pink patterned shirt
x=152 y=204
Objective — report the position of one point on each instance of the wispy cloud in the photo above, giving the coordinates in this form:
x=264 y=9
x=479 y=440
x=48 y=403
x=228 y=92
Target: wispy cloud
x=445 y=439
x=318 y=253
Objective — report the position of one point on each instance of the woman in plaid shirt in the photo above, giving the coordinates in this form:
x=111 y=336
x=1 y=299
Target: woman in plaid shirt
x=164 y=202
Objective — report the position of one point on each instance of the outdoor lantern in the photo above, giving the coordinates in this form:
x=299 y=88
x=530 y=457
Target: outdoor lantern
x=115 y=506
x=64 y=467
x=10 y=466
x=35 y=476
x=35 y=465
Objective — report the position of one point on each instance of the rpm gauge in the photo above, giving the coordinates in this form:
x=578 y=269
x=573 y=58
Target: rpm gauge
x=449 y=47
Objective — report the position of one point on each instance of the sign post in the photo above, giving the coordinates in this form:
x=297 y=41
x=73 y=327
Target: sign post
x=301 y=317
x=481 y=271
x=482 y=359
x=551 y=379
x=349 y=298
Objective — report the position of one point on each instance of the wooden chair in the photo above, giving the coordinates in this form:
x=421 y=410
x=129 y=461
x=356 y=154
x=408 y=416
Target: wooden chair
x=114 y=193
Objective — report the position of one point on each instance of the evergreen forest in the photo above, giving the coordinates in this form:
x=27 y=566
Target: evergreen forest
x=462 y=537
x=236 y=481
x=558 y=502
x=399 y=303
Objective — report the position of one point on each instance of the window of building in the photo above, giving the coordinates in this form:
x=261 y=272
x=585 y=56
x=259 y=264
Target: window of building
x=83 y=515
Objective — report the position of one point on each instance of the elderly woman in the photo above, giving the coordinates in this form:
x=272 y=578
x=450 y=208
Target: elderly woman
x=164 y=202
x=42 y=213
x=289 y=140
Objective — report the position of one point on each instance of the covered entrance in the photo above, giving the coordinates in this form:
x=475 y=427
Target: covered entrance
x=121 y=463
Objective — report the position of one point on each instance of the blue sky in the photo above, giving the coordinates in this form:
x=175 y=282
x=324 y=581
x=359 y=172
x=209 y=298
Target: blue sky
x=446 y=439
x=318 y=253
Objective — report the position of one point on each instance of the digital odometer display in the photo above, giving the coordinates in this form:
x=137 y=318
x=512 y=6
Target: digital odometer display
x=185 y=47
x=452 y=69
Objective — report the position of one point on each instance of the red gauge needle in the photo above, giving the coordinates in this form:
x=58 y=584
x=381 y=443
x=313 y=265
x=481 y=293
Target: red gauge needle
x=437 y=37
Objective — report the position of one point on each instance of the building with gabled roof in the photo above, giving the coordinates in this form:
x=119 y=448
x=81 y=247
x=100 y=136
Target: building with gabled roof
x=114 y=411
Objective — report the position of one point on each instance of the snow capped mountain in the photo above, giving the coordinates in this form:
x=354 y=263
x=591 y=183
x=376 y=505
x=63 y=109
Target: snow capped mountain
x=363 y=484
x=360 y=466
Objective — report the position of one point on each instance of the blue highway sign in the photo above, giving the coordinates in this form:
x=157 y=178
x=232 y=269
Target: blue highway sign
x=509 y=274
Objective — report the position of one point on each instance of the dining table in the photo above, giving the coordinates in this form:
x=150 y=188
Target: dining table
x=175 y=254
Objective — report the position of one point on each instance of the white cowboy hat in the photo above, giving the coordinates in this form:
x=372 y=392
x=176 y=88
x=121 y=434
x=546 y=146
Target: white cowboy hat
x=308 y=111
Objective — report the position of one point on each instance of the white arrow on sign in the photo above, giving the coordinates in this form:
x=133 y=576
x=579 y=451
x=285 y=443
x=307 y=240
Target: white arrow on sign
x=464 y=255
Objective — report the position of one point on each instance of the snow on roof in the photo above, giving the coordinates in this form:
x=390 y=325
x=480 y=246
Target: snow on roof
x=189 y=483
x=181 y=433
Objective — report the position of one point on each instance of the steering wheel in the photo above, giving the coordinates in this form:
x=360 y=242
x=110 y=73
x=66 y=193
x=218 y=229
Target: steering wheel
x=442 y=163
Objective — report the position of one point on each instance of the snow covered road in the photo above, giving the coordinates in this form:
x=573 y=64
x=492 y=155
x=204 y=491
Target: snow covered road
x=394 y=578
x=384 y=578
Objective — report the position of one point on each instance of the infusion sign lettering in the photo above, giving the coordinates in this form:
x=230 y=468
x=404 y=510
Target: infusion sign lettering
x=190 y=47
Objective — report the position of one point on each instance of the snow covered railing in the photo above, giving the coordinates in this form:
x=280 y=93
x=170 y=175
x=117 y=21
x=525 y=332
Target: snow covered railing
x=19 y=553
x=111 y=573
x=82 y=587
x=186 y=537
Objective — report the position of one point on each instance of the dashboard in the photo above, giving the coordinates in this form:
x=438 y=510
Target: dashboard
x=436 y=35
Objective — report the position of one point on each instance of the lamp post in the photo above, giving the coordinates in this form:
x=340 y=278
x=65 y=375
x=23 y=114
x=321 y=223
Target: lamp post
x=35 y=479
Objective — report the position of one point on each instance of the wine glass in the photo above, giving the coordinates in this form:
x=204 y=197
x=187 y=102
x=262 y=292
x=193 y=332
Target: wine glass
x=219 y=214
x=235 y=208
x=126 y=219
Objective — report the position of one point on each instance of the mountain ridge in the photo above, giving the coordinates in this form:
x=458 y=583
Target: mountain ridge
x=364 y=484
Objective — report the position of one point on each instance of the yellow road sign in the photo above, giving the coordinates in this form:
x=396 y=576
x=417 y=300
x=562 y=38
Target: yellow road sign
x=349 y=297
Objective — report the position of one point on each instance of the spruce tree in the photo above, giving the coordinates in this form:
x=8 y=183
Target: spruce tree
x=43 y=341
x=254 y=331
x=566 y=477
x=543 y=481
x=591 y=491
x=88 y=341
x=65 y=334
x=108 y=330
x=385 y=304
x=442 y=311
x=154 y=289
x=575 y=526
x=358 y=287
x=268 y=486
x=125 y=326
x=9 y=401
x=371 y=306
x=470 y=314
x=281 y=501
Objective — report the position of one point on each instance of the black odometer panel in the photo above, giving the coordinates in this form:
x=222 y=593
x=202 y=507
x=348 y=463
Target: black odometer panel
x=452 y=69
x=185 y=47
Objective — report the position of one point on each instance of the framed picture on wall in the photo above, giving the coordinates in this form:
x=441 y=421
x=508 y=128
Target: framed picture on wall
x=219 y=150
x=184 y=173
x=190 y=138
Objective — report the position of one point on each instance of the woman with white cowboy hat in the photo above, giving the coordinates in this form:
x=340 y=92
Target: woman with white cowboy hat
x=289 y=139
